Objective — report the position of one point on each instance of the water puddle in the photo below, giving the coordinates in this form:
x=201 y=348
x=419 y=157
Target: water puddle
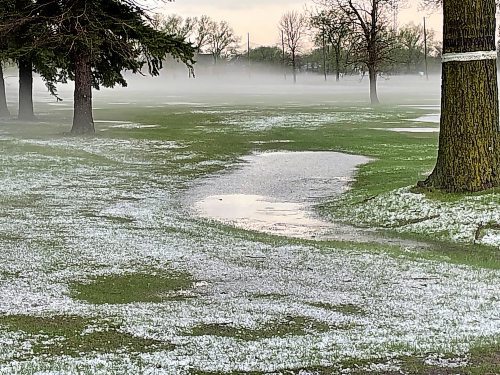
x=434 y=118
x=413 y=130
x=425 y=107
x=276 y=193
x=260 y=213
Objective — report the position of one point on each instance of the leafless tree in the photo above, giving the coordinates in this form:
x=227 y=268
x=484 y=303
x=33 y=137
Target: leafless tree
x=411 y=39
x=222 y=40
x=293 y=26
x=202 y=32
x=175 y=25
x=333 y=27
x=372 y=20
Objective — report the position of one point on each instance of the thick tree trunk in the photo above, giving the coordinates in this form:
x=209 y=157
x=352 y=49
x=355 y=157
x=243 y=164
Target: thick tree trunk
x=294 y=67
x=83 y=121
x=4 y=110
x=469 y=142
x=372 y=73
x=26 y=112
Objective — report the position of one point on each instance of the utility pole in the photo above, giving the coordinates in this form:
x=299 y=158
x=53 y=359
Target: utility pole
x=248 y=48
x=283 y=49
x=425 y=51
x=248 y=54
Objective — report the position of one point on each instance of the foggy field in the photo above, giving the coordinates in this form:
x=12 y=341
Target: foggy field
x=112 y=265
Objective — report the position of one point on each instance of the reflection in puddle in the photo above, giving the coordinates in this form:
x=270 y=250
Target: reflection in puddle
x=259 y=213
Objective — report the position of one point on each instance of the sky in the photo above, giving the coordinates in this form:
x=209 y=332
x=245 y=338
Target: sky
x=260 y=17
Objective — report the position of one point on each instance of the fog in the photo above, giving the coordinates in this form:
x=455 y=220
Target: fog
x=232 y=85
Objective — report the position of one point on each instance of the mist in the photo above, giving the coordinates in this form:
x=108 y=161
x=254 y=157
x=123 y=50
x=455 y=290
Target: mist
x=226 y=85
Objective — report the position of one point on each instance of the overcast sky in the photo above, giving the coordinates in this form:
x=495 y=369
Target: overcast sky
x=260 y=17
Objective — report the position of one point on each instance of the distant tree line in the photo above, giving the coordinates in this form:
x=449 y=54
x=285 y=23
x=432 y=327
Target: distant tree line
x=208 y=36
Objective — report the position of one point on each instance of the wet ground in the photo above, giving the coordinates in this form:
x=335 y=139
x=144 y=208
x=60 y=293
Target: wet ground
x=276 y=193
x=87 y=225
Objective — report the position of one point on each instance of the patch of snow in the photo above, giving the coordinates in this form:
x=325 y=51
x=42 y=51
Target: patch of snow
x=406 y=211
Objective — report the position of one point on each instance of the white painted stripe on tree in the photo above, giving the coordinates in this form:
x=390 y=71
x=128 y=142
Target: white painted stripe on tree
x=469 y=56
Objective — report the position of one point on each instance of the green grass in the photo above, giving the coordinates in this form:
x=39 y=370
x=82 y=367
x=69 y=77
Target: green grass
x=68 y=335
x=288 y=326
x=152 y=287
x=346 y=309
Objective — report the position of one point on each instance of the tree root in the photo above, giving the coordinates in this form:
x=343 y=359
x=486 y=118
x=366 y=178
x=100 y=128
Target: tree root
x=404 y=223
x=482 y=227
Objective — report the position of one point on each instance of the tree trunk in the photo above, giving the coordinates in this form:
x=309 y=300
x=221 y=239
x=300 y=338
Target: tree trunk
x=337 y=63
x=372 y=73
x=4 y=110
x=294 y=67
x=469 y=153
x=83 y=121
x=26 y=112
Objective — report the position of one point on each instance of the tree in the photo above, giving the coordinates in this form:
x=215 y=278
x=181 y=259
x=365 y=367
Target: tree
x=25 y=40
x=18 y=34
x=102 y=38
x=372 y=20
x=222 y=40
x=175 y=25
x=334 y=26
x=202 y=33
x=293 y=27
x=266 y=55
x=469 y=141
x=411 y=39
x=4 y=110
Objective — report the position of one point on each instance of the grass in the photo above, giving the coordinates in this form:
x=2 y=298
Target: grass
x=201 y=138
x=153 y=287
x=288 y=326
x=347 y=309
x=473 y=255
x=483 y=360
x=76 y=336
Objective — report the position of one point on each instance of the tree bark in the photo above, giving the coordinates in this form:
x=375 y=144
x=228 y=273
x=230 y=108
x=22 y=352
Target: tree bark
x=372 y=73
x=337 y=62
x=26 y=112
x=4 y=110
x=294 y=67
x=469 y=141
x=83 y=121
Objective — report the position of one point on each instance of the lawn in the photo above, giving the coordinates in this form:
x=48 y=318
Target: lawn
x=108 y=269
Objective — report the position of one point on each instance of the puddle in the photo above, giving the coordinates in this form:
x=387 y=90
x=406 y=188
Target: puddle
x=294 y=177
x=413 y=130
x=260 y=213
x=272 y=141
x=276 y=192
x=434 y=118
x=428 y=107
